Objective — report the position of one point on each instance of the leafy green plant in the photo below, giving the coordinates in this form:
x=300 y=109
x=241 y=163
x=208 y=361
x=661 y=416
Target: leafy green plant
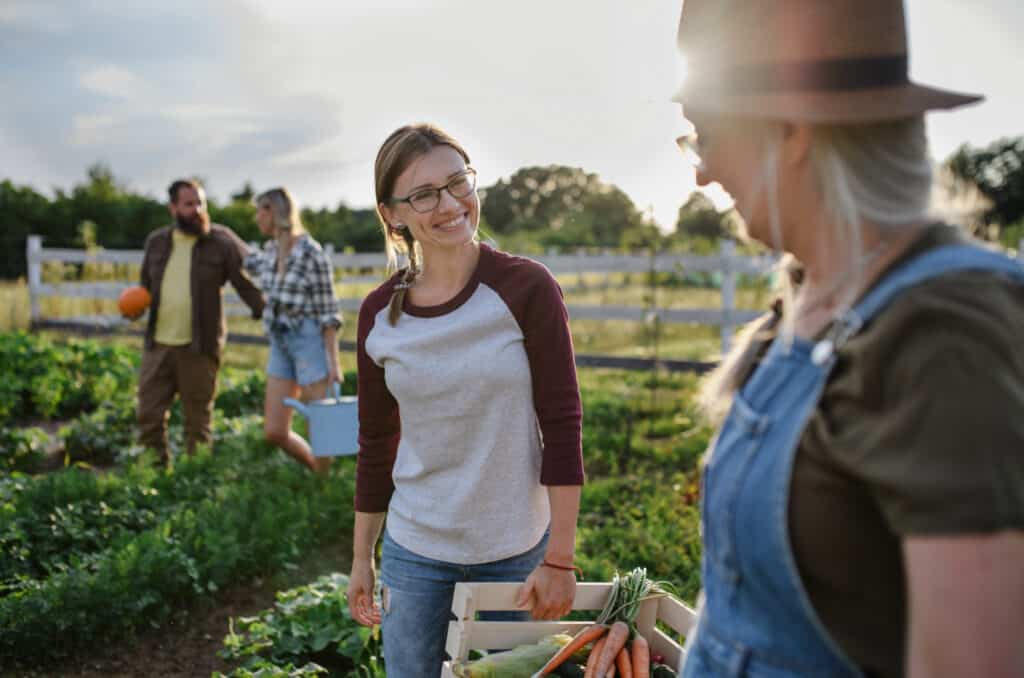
x=44 y=378
x=265 y=669
x=100 y=436
x=21 y=449
x=240 y=392
x=310 y=622
x=256 y=515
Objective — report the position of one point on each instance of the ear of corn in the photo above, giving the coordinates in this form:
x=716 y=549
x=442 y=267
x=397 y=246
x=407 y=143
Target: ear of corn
x=521 y=662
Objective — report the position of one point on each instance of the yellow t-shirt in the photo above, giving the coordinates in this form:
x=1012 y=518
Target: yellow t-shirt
x=174 y=318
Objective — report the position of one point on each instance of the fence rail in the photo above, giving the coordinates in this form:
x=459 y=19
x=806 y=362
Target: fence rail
x=726 y=262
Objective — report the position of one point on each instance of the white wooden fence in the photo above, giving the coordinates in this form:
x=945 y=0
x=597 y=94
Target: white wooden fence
x=726 y=262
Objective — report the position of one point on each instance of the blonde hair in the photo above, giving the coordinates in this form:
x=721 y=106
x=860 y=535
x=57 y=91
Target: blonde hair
x=398 y=151
x=880 y=172
x=285 y=218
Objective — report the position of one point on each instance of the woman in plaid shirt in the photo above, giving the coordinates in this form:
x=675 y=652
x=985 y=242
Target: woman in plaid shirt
x=301 y=318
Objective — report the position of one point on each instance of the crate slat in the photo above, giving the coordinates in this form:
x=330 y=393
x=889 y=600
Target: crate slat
x=676 y=615
x=463 y=602
x=495 y=596
x=661 y=644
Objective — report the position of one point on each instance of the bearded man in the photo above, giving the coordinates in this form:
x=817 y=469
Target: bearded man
x=184 y=268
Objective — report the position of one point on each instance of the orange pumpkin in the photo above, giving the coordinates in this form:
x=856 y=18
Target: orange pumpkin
x=133 y=301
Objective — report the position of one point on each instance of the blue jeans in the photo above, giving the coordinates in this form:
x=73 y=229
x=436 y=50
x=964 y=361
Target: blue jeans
x=417 y=601
x=297 y=352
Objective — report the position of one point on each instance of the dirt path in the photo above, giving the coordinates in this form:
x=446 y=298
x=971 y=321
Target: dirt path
x=186 y=647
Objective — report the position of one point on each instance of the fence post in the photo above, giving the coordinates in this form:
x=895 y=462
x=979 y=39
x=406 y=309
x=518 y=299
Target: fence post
x=33 y=256
x=727 y=250
x=1020 y=251
x=329 y=253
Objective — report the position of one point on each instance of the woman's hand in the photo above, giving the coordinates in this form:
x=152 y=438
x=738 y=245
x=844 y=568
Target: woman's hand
x=360 y=594
x=548 y=592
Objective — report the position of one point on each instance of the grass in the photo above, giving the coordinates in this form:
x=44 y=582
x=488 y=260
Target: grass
x=14 y=302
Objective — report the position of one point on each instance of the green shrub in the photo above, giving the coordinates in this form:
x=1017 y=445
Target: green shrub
x=265 y=669
x=48 y=379
x=100 y=436
x=21 y=449
x=259 y=513
x=307 y=623
x=641 y=522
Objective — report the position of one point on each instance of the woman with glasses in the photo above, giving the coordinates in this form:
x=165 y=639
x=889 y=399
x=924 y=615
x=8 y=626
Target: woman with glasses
x=301 y=319
x=469 y=413
x=863 y=502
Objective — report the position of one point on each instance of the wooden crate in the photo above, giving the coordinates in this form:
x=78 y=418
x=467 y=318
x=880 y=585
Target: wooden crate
x=467 y=633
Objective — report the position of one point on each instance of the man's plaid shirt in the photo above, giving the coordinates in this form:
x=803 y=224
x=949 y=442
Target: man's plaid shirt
x=306 y=290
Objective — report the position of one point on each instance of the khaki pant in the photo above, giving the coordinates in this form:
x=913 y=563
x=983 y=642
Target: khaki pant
x=166 y=371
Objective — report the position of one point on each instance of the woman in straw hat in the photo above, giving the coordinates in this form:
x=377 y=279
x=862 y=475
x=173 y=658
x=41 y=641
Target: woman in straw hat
x=863 y=502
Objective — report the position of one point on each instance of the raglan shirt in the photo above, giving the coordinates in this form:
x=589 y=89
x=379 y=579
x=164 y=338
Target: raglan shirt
x=466 y=411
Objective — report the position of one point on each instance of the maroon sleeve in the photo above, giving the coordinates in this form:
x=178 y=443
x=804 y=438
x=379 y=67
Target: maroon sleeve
x=535 y=299
x=379 y=425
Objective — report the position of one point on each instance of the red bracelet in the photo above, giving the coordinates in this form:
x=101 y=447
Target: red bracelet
x=566 y=568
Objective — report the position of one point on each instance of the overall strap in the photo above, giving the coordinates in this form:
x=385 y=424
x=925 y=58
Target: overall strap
x=932 y=264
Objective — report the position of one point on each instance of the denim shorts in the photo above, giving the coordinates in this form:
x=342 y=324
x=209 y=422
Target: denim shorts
x=417 y=603
x=297 y=352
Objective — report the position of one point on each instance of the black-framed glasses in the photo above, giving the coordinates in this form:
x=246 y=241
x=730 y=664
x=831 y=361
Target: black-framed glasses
x=427 y=199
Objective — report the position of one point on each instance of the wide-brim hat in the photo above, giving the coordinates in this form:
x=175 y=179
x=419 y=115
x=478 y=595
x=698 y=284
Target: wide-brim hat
x=819 y=61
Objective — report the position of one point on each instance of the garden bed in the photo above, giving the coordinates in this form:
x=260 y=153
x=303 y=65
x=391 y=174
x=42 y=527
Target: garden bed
x=99 y=560
x=188 y=644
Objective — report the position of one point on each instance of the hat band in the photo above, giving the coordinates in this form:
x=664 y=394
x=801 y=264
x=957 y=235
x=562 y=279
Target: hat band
x=828 y=75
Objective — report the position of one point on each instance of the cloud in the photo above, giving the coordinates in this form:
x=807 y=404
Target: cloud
x=113 y=81
x=156 y=92
x=28 y=14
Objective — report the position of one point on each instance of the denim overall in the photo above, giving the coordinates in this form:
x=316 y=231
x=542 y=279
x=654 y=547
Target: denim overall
x=757 y=619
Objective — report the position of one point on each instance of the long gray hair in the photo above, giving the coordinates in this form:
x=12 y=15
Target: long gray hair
x=879 y=172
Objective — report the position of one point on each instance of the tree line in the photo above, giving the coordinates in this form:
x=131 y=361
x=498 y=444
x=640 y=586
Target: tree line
x=537 y=209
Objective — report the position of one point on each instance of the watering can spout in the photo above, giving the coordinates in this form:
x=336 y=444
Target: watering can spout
x=299 y=406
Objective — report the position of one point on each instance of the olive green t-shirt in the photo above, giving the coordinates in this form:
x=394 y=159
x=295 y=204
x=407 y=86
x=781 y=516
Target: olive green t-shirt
x=920 y=431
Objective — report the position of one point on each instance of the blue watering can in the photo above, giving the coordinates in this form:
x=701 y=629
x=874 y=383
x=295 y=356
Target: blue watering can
x=333 y=423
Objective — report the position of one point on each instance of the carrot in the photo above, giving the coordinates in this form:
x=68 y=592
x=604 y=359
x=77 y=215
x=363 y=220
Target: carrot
x=595 y=655
x=623 y=664
x=641 y=652
x=586 y=635
x=618 y=634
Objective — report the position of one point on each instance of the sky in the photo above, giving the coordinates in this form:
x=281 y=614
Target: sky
x=301 y=93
